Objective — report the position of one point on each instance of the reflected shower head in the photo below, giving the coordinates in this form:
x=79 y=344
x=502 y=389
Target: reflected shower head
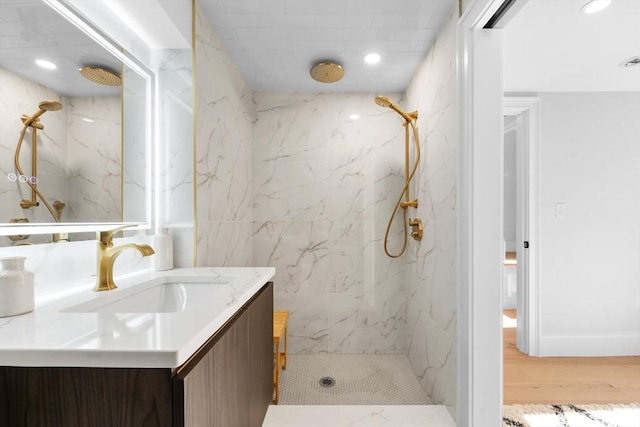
x=383 y=101
x=101 y=76
x=43 y=107
x=50 y=106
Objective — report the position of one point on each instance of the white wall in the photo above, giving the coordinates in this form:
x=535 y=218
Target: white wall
x=510 y=183
x=589 y=263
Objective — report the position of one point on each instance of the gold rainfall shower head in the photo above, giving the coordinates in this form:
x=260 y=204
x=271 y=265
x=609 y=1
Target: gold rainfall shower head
x=101 y=76
x=327 y=72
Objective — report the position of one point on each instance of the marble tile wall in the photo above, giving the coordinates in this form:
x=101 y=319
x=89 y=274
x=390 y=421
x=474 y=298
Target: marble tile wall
x=94 y=159
x=431 y=270
x=323 y=189
x=224 y=113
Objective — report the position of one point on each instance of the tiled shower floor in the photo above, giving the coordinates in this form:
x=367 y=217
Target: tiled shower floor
x=359 y=380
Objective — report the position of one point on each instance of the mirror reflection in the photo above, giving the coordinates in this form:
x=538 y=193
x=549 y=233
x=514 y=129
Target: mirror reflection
x=66 y=155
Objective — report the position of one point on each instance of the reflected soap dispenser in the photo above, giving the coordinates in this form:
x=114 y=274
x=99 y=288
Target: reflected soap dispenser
x=163 y=245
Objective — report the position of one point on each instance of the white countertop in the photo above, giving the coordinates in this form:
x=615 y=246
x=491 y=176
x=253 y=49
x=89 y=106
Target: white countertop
x=49 y=336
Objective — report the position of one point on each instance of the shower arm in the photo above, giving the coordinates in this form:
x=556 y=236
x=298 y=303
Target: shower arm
x=34 y=190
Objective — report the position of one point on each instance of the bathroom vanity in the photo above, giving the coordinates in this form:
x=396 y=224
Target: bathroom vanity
x=188 y=347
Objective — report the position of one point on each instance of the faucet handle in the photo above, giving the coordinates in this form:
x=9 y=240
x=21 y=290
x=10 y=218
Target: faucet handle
x=106 y=237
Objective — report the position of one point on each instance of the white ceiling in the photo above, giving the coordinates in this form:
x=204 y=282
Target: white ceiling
x=29 y=30
x=275 y=42
x=551 y=46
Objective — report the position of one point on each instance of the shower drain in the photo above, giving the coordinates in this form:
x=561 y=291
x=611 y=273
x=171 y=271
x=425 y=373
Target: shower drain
x=327 y=382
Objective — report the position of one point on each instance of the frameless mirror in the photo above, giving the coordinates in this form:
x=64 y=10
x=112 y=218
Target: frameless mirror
x=74 y=124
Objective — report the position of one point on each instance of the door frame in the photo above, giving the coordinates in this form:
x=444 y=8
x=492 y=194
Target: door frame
x=527 y=111
x=479 y=250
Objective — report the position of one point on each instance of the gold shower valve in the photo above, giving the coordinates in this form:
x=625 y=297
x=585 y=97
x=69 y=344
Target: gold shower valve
x=416 y=224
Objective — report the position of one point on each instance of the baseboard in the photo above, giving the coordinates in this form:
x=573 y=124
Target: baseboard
x=589 y=345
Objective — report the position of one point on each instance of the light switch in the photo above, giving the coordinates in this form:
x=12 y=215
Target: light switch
x=561 y=210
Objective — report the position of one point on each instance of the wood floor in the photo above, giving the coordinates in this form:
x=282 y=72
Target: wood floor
x=579 y=380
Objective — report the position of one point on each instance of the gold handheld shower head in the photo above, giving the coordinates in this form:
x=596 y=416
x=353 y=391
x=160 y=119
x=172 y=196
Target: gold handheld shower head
x=43 y=107
x=50 y=106
x=383 y=101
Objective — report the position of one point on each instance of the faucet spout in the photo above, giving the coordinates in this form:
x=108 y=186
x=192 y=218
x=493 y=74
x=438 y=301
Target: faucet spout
x=107 y=255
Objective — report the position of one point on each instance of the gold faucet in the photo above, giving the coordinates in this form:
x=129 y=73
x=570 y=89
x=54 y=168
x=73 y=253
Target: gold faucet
x=107 y=255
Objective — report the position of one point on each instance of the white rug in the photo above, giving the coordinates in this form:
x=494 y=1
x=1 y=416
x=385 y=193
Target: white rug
x=567 y=415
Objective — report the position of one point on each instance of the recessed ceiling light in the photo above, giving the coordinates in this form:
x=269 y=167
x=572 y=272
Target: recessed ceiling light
x=46 y=64
x=354 y=116
x=87 y=119
x=372 y=58
x=594 y=6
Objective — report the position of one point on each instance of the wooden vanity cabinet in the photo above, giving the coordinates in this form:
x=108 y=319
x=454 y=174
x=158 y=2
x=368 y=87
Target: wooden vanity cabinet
x=228 y=382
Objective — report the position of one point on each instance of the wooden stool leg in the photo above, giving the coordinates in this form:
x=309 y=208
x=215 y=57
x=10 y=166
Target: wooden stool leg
x=284 y=366
x=277 y=382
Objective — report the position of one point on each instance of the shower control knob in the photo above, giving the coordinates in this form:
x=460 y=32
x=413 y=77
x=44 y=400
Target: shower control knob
x=417 y=227
x=411 y=204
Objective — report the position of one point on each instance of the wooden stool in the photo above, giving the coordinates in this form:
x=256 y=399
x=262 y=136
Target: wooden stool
x=280 y=319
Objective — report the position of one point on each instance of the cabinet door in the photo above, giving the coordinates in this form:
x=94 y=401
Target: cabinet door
x=260 y=325
x=81 y=397
x=214 y=391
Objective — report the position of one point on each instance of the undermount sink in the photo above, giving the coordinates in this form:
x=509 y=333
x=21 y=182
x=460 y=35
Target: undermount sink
x=161 y=295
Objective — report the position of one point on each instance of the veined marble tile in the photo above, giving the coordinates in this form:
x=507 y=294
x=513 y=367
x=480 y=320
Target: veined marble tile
x=94 y=160
x=431 y=308
x=311 y=161
x=440 y=377
x=358 y=416
x=93 y=197
x=223 y=153
x=224 y=244
x=350 y=250
x=298 y=250
x=223 y=164
x=308 y=325
x=367 y=325
x=95 y=148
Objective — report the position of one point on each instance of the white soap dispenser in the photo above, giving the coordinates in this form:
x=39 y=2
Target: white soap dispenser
x=16 y=287
x=163 y=246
